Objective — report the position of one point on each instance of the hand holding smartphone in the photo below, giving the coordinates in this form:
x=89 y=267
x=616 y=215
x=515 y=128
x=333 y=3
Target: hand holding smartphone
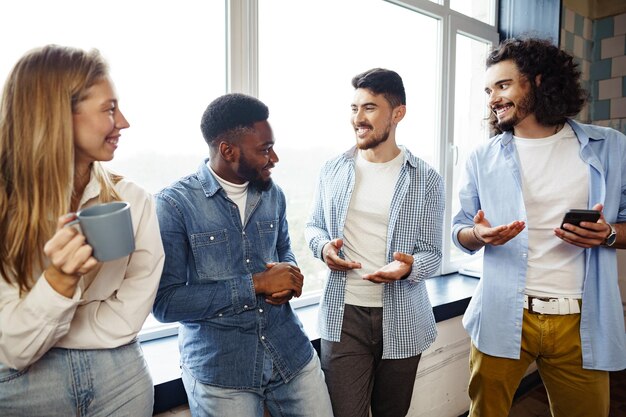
x=575 y=216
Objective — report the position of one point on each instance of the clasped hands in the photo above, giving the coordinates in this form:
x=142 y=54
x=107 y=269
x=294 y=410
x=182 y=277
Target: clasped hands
x=398 y=269
x=280 y=282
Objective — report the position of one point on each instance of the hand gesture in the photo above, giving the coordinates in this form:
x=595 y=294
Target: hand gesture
x=499 y=235
x=330 y=253
x=394 y=271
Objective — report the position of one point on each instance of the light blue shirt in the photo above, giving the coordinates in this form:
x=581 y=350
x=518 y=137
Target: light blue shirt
x=414 y=227
x=493 y=183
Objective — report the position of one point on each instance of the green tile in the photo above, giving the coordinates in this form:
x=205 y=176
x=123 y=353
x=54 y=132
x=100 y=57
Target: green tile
x=603 y=28
x=588 y=50
x=600 y=110
x=597 y=50
x=569 y=42
x=594 y=90
x=578 y=24
x=601 y=70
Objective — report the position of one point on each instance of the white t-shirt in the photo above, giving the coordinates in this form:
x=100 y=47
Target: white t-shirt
x=236 y=192
x=554 y=180
x=365 y=230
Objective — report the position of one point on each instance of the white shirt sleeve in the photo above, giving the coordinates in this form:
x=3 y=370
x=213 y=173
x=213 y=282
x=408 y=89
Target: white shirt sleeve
x=108 y=309
x=31 y=325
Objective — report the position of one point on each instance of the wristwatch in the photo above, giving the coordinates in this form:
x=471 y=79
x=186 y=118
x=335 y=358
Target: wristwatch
x=610 y=239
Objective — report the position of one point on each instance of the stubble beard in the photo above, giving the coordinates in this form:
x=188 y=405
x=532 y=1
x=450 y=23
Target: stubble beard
x=525 y=107
x=373 y=142
x=252 y=175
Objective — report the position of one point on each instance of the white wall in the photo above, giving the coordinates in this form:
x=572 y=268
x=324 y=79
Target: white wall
x=441 y=385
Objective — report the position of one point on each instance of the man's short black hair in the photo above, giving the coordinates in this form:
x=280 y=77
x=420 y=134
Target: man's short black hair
x=231 y=112
x=382 y=81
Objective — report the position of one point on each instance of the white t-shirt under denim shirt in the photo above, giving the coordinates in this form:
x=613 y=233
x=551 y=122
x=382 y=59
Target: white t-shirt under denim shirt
x=236 y=192
x=554 y=180
x=365 y=230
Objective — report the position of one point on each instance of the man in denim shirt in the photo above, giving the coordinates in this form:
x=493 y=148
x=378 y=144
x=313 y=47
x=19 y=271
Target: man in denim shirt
x=549 y=292
x=376 y=223
x=229 y=275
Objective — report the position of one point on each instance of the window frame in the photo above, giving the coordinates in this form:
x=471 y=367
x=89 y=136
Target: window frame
x=242 y=76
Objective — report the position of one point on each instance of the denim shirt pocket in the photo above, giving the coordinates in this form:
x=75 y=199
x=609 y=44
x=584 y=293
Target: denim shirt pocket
x=212 y=254
x=268 y=234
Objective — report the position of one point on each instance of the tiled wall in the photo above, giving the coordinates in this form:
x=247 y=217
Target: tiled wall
x=577 y=39
x=599 y=46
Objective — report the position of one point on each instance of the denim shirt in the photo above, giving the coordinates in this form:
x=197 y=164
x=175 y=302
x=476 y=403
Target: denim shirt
x=226 y=330
x=493 y=318
x=415 y=227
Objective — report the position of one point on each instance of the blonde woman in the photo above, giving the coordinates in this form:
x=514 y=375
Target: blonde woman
x=68 y=323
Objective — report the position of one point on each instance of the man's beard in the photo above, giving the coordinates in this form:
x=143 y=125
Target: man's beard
x=252 y=175
x=525 y=107
x=374 y=141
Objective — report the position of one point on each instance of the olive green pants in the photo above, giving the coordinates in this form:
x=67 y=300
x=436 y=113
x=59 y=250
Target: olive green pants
x=553 y=341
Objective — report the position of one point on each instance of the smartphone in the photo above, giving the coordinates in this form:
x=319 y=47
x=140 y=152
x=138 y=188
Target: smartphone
x=575 y=216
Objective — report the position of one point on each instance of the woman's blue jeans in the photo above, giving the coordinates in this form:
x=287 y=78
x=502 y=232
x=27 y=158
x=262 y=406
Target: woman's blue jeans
x=72 y=382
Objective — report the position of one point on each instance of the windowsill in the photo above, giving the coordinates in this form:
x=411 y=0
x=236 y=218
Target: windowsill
x=449 y=296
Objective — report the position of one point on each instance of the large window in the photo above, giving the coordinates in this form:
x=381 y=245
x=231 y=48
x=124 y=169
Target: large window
x=304 y=77
x=470 y=124
x=167 y=61
x=170 y=59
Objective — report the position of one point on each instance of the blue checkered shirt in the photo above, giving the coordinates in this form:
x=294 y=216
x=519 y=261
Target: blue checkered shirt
x=415 y=227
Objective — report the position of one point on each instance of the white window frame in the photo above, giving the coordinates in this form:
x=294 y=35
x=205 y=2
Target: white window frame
x=242 y=61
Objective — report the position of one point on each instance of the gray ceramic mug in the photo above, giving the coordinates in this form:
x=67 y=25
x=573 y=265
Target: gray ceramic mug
x=108 y=229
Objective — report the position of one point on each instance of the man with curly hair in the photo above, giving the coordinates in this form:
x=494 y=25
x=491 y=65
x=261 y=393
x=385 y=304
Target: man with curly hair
x=549 y=292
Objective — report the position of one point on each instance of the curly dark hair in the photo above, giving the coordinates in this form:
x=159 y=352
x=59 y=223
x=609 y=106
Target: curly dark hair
x=382 y=81
x=559 y=95
x=231 y=113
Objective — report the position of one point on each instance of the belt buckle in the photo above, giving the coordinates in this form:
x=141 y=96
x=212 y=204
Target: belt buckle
x=530 y=303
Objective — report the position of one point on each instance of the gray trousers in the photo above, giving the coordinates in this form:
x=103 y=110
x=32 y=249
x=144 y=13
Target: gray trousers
x=357 y=376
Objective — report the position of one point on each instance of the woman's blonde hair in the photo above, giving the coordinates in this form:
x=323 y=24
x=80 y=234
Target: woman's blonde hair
x=37 y=153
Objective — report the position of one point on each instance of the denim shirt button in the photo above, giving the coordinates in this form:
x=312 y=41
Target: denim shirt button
x=245 y=306
x=220 y=315
x=262 y=337
x=260 y=310
x=271 y=226
x=212 y=238
x=243 y=233
x=248 y=261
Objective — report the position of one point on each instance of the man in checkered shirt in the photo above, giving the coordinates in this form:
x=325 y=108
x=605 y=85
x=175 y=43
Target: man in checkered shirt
x=377 y=224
